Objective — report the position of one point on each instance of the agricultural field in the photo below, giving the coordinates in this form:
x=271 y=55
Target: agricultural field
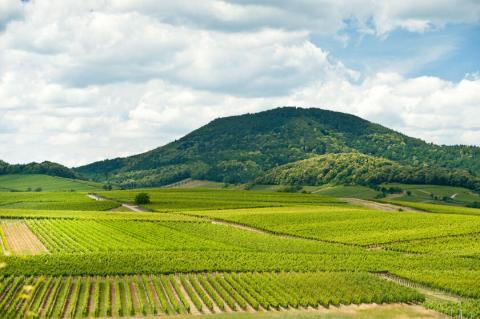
x=437 y=208
x=164 y=200
x=45 y=183
x=53 y=201
x=361 y=192
x=229 y=253
x=435 y=194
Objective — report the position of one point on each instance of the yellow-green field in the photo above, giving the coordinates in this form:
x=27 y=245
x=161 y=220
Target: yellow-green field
x=232 y=254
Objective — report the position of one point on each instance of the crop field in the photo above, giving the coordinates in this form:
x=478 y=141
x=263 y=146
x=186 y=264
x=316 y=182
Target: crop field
x=201 y=199
x=53 y=201
x=46 y=183
x=147 y=294
x=348 y=224
x=436 y=194
x=214 y=251
x=436 y=208
x=362 y=192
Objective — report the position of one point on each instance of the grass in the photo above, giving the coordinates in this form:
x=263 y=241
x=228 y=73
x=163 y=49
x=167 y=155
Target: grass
x=23 y=182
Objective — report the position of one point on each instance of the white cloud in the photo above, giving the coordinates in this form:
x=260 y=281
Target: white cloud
x=85 y=80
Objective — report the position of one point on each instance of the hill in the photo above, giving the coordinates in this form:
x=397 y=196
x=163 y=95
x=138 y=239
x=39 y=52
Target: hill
x=46 y=183
x=361 y=169
x=238 y=149
x=44 y=168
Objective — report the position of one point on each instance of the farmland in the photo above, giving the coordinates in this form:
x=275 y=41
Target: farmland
x=212 y=251
x=38 y=182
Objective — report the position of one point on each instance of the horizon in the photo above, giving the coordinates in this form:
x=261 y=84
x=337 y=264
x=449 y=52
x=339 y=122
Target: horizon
x=82 y=82
x=266 y=110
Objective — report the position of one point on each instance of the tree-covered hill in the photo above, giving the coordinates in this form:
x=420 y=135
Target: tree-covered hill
x=361 y=169
x=241 y=148
x=46 y=168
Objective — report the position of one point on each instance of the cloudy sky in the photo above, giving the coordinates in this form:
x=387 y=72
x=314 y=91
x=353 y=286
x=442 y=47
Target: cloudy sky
x=87 y=80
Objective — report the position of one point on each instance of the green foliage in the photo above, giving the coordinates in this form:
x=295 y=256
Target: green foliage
x=240 y=148
x=45 y=168
x=288 y=289
x=348 y=224
x=142 y=199
x=360 y=169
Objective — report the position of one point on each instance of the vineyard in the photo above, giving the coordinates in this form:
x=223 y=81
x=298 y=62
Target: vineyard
x=147 y=294
x=53 y=201
x=272 y=251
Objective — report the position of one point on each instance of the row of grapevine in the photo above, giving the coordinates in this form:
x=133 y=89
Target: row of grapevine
x=145 y=295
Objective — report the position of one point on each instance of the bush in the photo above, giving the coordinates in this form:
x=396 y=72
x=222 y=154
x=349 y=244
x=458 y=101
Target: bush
x=142 y=198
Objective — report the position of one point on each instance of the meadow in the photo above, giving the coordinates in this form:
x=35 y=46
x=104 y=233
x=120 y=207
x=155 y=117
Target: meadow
x=213 y=251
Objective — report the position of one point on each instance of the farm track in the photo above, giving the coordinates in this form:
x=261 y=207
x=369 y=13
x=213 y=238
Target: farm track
x=130 y=207
x=380 y=206
x=427 y=291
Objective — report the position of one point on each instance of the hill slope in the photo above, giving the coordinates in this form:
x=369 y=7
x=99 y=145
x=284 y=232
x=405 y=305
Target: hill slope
x=241 y=148
x=361 y=169
x=46 y=168
x=46 y=183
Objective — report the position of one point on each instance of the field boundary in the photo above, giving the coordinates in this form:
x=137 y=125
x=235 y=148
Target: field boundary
x=424 y=289
x=4 y=242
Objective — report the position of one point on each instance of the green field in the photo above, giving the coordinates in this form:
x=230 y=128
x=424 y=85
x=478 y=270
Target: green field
x=46 y=183
x=53 y=201
x=435 y=194
x=205 y=251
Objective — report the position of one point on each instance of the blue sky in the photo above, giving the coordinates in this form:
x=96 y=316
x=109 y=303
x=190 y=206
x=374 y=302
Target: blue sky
x=82 y=81
x=450 y=52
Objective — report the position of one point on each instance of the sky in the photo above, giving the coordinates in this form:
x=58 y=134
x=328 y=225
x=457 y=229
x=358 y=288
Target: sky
x=82 y=81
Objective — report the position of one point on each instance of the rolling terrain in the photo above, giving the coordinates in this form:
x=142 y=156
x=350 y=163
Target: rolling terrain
x=230 y=253
x=239 y=149
x=46 y=183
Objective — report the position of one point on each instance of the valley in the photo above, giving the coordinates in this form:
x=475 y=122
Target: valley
x=232 y=253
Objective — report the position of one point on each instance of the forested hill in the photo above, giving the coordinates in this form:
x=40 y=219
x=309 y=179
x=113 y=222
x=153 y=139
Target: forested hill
x=241 y=148
x=361 y=169
x=47 y=168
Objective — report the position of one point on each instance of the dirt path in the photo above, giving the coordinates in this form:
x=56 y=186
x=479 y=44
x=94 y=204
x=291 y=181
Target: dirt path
x=95 y=197
x=21 y=240
x=379 y=206
x=134 y=208
x=429 y=292
x=242 y=227
x=130 y=207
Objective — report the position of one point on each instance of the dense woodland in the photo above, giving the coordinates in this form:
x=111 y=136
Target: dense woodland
x=47 y=168
x=241 y=148
x=360 y=169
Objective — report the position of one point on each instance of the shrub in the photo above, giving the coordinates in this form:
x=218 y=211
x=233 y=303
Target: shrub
x=142 y=198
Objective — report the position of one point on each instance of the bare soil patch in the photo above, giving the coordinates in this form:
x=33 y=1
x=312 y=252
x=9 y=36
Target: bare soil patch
x=21 y=240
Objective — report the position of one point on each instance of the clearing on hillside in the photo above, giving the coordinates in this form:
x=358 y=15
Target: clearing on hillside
x=45 y=183
x=20 y=240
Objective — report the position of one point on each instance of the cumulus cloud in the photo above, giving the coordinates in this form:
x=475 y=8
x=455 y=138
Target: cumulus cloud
x=85 y=80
